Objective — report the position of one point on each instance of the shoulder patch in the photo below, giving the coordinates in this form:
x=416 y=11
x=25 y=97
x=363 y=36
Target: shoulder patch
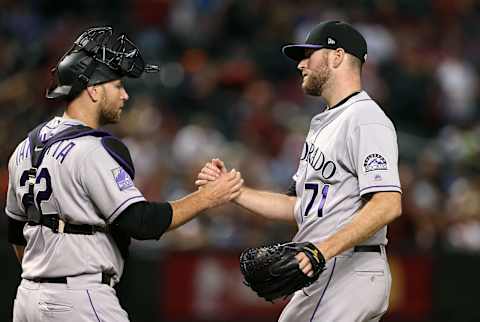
x=122 y=178
x=374 y=162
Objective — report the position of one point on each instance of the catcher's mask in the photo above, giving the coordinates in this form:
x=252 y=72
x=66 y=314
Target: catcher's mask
x=96 y=57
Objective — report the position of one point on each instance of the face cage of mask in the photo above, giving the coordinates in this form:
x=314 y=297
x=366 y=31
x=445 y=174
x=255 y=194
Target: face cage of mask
x=120 y=54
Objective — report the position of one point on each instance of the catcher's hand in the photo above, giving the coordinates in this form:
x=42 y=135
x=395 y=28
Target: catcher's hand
x=274 y=272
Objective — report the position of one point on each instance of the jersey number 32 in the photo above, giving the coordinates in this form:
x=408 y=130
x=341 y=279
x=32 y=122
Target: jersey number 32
x=42 y=195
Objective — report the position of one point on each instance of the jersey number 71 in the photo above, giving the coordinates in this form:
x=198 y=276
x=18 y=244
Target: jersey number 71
x=314 y=188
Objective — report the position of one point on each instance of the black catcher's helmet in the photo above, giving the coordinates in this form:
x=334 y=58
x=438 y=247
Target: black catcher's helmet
x=96 y=57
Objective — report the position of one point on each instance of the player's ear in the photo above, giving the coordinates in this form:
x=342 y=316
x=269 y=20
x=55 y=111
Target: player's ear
x=93 y=92
x=338 y=57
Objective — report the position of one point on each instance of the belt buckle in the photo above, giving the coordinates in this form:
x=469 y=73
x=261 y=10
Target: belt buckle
x=61 y=226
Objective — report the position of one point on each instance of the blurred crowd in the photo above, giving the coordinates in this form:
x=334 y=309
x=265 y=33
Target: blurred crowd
x=225 y=90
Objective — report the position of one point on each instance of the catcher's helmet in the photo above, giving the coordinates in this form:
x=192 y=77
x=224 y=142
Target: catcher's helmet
x=96 y=57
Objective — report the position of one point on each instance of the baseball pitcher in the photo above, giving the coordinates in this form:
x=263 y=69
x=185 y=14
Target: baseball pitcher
x=344 y=193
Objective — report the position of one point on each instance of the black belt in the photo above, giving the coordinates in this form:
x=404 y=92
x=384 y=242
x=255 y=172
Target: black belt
x=106 y=279
x=52 y=222
x=367 y=249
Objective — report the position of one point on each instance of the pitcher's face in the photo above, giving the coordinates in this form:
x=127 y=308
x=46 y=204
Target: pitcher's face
x=315 y=71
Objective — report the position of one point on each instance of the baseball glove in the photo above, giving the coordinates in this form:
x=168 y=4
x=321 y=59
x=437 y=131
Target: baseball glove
x=273 y=271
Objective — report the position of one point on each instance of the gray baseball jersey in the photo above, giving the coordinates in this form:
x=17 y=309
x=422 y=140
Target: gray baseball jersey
x=350 y=151
x=83 y=184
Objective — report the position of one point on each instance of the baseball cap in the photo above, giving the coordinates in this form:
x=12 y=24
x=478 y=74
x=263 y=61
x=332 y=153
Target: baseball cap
x=332 y=35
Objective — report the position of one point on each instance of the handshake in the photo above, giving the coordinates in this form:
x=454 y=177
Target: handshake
x=217 y=185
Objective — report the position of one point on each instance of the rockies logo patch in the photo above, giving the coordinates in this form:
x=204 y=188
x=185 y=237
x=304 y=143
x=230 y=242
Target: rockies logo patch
x=374 y=162
x=122 y=178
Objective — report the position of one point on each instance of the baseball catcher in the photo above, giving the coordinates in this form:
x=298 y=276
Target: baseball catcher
x=274 y=271
x=72 y=203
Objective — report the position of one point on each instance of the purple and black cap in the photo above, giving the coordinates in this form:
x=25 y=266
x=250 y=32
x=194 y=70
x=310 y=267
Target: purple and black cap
x=331 y=35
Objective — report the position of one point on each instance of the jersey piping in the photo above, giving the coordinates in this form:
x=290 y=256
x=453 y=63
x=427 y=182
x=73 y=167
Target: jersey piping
x=324 y=290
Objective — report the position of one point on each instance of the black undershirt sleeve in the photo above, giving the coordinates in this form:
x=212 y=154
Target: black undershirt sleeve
x=144 y=220
x=292 y=191
x=15 y=232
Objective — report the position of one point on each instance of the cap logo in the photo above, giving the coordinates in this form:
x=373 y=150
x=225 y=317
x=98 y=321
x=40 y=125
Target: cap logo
x=331 y=41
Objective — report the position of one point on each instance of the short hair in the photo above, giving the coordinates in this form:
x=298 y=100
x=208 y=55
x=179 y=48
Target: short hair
x=354 y=62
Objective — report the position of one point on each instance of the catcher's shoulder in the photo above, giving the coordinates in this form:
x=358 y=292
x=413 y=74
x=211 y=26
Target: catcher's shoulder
x=20 y=154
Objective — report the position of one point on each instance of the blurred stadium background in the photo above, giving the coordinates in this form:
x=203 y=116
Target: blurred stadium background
x=226 y=91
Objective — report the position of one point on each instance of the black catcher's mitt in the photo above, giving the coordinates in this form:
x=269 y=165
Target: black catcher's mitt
x=273 y=271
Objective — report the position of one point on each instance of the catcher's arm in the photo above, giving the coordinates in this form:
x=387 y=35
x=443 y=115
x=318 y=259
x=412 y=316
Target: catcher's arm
x=15 y=236
x=214 y=194
x=267 y=204
x=380 y=210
